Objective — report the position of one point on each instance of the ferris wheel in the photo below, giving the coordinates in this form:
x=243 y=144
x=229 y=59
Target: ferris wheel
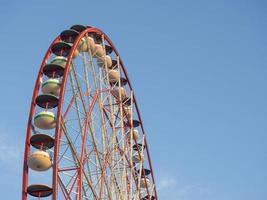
x=85 y=137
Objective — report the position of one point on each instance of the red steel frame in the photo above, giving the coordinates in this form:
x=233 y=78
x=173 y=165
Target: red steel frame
x=59 y=113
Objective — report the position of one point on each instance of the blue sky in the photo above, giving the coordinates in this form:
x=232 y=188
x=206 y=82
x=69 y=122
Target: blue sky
x=199 y=72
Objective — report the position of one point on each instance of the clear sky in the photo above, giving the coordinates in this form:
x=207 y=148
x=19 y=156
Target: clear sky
x=199 y=71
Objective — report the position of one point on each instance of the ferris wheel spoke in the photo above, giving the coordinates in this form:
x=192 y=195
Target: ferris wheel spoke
x=115 y=182
x=63 y=188
x=104 y=136
x=100 y=100
x=77 y=161
x=78 y=86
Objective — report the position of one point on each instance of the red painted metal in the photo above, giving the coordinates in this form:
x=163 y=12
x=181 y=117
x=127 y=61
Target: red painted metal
x=32 y=110
x=58 y=130
x=84 y=143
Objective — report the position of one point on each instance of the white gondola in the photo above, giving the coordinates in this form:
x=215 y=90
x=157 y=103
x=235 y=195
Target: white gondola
x=90 y=43
x=134 y=134
x=98 y=51
x=104 y=59
x=120 y=90
x=60 y=60
x=83 y=45
x=45 y=120
x=51 y=86
x=39 y=161
x=128 y=112
x=114 y=76
x=137 y=159
x=144 y=181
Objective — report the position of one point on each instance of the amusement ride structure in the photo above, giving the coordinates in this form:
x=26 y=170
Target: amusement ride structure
x=85 y=137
